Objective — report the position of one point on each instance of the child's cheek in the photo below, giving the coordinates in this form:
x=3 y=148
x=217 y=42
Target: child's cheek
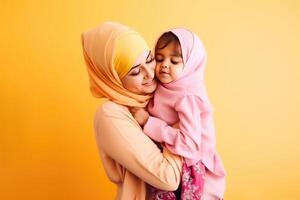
x=156 y=70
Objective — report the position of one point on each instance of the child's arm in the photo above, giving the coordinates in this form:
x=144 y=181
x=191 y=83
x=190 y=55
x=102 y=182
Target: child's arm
x=141 y=116
x=185 y=141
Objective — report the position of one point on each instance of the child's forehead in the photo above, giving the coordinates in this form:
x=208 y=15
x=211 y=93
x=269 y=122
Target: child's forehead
x=172 y=49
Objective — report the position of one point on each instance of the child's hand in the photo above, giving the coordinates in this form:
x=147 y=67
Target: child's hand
x=176 y=125
x=140 y=115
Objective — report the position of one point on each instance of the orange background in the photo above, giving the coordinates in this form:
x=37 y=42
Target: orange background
x=47 y=144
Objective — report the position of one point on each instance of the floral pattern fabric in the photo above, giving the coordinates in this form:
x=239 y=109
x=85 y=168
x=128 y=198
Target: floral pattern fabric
x=192 y=182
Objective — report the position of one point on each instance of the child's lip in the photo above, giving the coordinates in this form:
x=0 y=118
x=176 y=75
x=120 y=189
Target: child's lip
x=166 y=73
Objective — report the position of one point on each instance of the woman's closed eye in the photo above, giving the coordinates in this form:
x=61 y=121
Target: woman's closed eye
x=136 y=71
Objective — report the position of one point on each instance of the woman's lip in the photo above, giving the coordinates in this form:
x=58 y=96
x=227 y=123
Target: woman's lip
x=149 y=83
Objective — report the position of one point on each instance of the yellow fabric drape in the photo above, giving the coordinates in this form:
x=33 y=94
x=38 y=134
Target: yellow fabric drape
x=110 y=51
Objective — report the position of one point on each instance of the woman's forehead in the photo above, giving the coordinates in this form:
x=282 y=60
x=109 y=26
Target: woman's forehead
x=142 y=58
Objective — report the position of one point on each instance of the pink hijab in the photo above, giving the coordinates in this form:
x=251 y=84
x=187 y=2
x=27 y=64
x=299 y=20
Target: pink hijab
x=194 y=59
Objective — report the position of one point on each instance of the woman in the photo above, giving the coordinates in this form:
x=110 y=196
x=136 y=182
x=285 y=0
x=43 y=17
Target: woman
x=121 y=71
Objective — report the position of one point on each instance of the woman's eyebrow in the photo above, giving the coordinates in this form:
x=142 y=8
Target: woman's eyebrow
x=148 y=54
x=140 y=64
x=135 y=67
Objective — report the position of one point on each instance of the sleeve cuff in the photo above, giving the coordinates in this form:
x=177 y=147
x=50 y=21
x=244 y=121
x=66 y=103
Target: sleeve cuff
x=156 y=128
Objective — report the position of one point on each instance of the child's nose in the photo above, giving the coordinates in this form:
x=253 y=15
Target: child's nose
x=164 y=64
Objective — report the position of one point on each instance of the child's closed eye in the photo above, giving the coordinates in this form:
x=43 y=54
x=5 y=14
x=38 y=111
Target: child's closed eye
x=158 y=60
x=159 y=57
x=176 y=60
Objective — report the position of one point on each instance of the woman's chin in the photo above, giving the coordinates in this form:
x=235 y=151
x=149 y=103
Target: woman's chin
x=148 y=89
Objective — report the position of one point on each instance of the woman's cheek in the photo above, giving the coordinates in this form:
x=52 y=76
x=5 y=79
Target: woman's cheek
x=139 y=81
x=154 y=64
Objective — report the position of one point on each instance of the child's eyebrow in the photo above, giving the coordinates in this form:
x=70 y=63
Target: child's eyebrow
x=176 y=55
x=173 y=54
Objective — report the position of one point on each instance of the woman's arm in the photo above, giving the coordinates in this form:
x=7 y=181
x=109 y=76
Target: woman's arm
x=120 y=137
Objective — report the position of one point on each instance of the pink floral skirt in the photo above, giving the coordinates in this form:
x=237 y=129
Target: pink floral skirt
x=192 y=182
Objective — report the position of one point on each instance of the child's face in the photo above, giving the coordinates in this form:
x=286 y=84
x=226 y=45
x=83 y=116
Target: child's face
x=169 y=63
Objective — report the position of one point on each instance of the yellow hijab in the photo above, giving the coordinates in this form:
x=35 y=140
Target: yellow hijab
x=110 y=51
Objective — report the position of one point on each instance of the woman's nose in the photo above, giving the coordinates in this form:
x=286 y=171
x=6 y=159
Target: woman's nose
x=149 y=72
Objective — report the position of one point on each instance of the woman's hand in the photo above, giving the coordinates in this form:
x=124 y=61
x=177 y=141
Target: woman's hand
x=140 y=115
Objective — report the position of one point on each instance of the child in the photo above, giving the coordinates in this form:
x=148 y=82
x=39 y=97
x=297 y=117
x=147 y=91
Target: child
x=181 y=97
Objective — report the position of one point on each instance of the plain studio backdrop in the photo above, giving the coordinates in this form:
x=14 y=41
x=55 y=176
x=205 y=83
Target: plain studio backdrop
x=47 y=143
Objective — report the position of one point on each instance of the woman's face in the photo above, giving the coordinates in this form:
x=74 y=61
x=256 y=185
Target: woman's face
x=140 y=79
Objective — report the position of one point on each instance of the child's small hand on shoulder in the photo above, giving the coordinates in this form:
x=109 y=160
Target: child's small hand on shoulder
x=140 y=115
x=176 y=125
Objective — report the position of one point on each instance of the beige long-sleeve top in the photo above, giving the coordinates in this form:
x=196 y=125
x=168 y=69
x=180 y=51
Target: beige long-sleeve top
x=130 y=159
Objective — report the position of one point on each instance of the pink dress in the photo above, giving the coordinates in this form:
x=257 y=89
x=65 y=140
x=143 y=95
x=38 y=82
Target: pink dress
x=185 y=100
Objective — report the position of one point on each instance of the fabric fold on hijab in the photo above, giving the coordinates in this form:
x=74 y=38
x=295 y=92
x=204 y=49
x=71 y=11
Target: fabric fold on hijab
x=110 y=51
x=194 y=59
